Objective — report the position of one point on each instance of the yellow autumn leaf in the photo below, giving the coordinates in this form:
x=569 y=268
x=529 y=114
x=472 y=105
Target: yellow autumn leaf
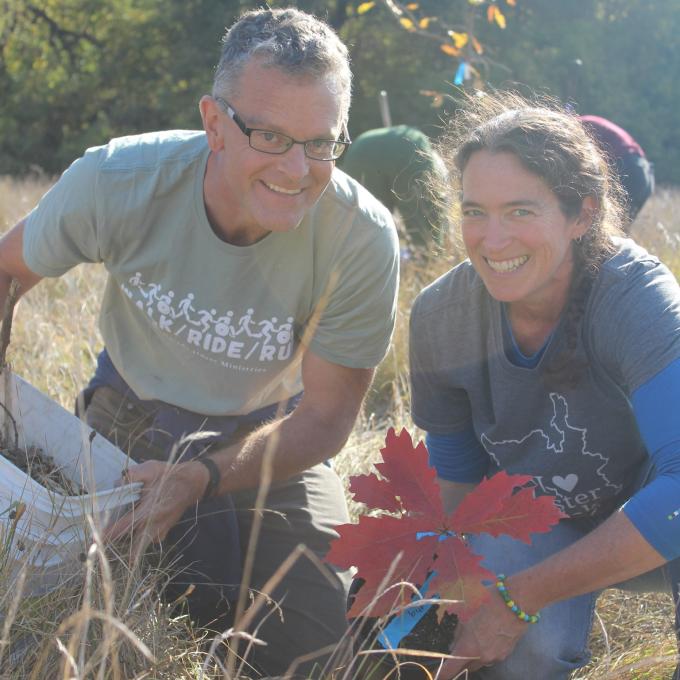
x=437 y=98
x=364 y=7
x=450 y=50
x=500 y=19
x=477 y=45
x=460 y=39
x=425 y=22
x=407 y=24
x=476 y=2
x=512 y=3
x=412 y=6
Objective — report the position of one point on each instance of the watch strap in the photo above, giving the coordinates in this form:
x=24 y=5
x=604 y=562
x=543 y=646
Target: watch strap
x=214 y=479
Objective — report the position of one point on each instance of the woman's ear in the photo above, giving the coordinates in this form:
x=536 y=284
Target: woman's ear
x=210 y=115
x=589 y=208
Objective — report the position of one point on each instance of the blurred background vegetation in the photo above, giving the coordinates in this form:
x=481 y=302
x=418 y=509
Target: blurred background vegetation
x=74 y=73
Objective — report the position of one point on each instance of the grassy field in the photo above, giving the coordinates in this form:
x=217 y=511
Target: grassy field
x=107 y=623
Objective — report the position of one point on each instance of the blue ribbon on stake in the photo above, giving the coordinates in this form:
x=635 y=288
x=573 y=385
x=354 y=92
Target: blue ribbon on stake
x=402 y=624
x=461 y=73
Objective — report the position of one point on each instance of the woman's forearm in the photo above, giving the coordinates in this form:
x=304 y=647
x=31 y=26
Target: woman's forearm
x=611 y=553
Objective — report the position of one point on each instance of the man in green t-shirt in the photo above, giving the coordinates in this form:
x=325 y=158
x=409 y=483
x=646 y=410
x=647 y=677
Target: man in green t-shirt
x=399 y=166
x=251 y=293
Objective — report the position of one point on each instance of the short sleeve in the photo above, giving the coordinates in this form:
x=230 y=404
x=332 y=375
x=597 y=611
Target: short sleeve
x=437 y=405
x=636 y=325
x=359 y=305
x=61 y=231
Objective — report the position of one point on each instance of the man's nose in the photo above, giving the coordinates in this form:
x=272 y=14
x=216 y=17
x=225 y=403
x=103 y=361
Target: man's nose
x=294 y=162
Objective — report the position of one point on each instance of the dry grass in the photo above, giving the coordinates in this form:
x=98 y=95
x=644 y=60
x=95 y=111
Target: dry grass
x=116 y=628
x=656 y=227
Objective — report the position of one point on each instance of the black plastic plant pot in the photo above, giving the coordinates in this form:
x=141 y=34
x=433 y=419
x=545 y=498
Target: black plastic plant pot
x=427 y=635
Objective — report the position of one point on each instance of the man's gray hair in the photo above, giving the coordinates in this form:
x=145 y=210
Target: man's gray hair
x=288 y=39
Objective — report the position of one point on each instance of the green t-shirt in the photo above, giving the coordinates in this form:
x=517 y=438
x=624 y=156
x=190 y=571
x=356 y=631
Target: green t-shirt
x=197 y=322
x=398 y=165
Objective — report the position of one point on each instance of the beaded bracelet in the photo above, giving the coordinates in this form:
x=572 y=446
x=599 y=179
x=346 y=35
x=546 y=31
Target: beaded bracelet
x=514 y=608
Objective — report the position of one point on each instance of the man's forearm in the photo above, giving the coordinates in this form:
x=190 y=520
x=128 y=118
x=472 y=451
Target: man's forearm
x=281 y=448
x=12 y=265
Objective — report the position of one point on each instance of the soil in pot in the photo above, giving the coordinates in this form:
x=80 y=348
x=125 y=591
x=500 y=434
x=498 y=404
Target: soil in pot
x=42 y=468
x=427 y=635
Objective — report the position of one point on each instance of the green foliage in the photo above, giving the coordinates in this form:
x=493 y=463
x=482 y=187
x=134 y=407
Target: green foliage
x=74 y=73
x=628 y=55
x=378 y=46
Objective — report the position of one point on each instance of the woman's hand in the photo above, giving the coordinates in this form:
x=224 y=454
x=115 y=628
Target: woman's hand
x=487 y=638
x=169 y=489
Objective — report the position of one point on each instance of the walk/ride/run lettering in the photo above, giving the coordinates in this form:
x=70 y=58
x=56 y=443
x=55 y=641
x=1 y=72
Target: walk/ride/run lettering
x=237 y=335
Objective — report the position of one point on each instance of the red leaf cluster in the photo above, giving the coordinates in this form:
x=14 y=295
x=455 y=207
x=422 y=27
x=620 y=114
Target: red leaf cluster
x=413 y=536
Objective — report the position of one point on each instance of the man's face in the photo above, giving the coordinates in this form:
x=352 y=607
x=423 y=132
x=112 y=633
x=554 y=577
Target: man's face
x=250 y=193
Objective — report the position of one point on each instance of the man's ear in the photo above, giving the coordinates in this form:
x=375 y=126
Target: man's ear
x=589 y=208
x=210 y=115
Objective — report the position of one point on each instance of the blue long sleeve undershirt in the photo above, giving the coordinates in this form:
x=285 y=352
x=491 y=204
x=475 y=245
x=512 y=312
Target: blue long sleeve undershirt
x=651 y=509
x=459 y=457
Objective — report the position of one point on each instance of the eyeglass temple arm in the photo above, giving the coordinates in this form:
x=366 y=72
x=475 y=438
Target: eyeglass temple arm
x=345 y=134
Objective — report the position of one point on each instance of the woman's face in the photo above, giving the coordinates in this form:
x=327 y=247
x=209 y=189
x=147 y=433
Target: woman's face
x=516 y=235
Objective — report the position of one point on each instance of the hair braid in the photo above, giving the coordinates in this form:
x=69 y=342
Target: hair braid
x=566 y=369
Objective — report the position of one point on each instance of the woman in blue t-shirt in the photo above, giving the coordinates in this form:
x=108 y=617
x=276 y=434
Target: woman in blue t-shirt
x=553 y=351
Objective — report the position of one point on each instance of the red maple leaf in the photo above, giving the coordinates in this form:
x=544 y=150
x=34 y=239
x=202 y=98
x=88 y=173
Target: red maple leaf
x=377 y=493
x=518 y=514
x=408 y=484
x=485 y=503
x=418 y=538
x=378 y=545
x=458 y=578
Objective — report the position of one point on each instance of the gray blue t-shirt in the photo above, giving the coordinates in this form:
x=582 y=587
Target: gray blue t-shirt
x=581 y=444
x=199 y=323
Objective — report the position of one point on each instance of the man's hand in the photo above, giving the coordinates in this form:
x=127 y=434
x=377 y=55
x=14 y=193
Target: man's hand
x=169 y=489
x=487 y=638
x=315 y=431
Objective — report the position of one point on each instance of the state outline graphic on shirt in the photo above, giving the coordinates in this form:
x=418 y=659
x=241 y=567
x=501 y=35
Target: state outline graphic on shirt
x=559 y=438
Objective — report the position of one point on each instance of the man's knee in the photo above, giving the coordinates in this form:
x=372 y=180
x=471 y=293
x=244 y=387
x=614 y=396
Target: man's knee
x=307 y=614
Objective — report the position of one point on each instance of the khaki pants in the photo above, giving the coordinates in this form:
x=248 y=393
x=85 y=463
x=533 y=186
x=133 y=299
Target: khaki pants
x=307 y=610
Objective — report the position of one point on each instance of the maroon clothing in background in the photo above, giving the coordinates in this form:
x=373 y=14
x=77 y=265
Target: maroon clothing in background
x=614 y=138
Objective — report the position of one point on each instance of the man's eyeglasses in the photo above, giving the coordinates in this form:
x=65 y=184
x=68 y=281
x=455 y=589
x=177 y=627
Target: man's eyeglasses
x=268 y=141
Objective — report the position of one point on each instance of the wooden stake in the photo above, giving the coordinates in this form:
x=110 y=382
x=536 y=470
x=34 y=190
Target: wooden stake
x=6 y=330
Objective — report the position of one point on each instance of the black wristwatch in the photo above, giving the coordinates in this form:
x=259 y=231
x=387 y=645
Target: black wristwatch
x=214 y=480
